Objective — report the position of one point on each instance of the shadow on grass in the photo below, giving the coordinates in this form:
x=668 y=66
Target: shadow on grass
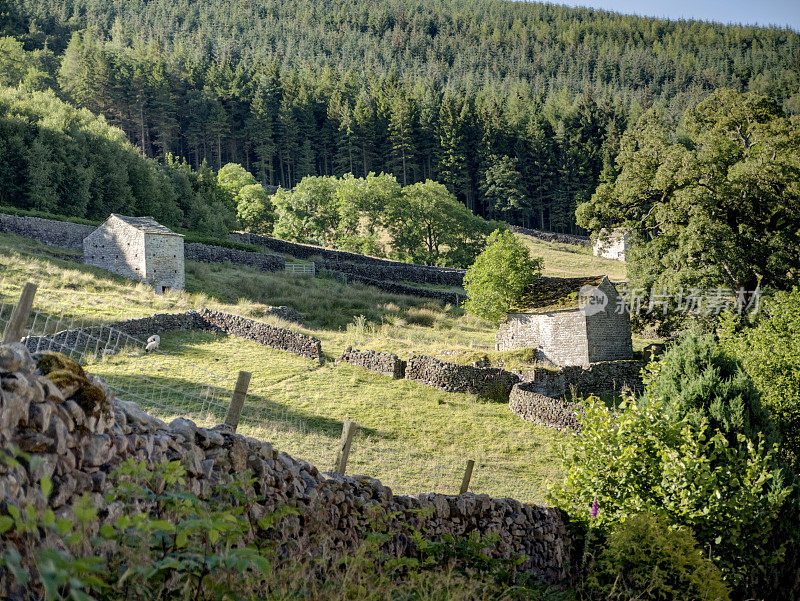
x=207 y=404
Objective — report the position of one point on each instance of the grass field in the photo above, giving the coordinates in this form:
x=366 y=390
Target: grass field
x=412 y=437
x=567 y=260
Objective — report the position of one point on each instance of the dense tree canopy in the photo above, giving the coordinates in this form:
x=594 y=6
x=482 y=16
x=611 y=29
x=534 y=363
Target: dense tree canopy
x=419 y=223
x=58 y=159
x=717 y=204
x=421 y=89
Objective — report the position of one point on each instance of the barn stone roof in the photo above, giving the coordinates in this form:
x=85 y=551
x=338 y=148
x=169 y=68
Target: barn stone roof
x=554 y=294
x=146 y=224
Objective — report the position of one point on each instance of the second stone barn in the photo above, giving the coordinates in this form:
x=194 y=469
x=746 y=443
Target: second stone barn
x=570 y=321
x=139 y=248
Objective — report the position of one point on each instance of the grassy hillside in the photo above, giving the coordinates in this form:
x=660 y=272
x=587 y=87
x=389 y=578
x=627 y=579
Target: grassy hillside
x=567 y=260
x=413 y=437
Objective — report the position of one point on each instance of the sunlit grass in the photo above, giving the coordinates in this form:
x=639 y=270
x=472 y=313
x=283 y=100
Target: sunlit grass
x=413 y=437
x=567 y=260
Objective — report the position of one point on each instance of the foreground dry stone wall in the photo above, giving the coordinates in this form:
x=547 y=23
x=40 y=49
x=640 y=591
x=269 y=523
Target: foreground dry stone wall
x=80 y=433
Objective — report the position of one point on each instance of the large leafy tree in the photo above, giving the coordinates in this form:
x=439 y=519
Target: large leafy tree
x=428 y=225
x=717 y=205
x=499 y=276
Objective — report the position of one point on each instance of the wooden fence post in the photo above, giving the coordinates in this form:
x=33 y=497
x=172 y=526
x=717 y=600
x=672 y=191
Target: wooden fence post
x=467 y=477
x=20 y=314
x=237 y=399
x=348 y=429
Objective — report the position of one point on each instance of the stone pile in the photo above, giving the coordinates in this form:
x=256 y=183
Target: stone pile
x=544 y=410
x=80 y=433
x=452 y=377
x=383 y=363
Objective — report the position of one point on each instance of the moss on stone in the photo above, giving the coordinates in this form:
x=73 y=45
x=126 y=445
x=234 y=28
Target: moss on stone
x=92 y=399
x=49 y=362
x=68 y=382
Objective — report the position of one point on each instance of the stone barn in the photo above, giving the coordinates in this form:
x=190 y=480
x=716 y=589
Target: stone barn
x=571 y=321
x=611 y=245
x=139 y=248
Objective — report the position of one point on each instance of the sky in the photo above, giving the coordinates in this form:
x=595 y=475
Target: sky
x=748 y=12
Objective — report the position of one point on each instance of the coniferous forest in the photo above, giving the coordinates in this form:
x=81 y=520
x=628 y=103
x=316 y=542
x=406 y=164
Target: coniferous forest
x=518 y=108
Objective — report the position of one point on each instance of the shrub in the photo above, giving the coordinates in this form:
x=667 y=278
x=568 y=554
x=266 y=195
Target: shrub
x=769 y=349
x=645 y=559
x=499 y=277
x=644 y=458
x=700 y=380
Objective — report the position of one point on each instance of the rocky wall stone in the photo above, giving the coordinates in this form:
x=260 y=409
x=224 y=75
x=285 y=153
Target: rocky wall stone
x=354 y=264
x=63 y=234
x=264 y=334
x=452 y=377
x=452 y=298
x=531 y=406
x=206 y=253
x=80 y=438
x=552 y=236
x=607 y=377
x=383 y=363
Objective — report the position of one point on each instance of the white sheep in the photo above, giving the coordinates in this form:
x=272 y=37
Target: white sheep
x=152 y=343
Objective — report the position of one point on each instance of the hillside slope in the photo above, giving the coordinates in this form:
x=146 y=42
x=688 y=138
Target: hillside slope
x=413 y=437
x=517 y=107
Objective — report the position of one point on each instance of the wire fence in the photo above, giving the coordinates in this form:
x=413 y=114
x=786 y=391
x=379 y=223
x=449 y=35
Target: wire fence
x=169 y=386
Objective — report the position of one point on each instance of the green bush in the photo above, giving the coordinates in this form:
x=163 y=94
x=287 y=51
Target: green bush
x=700 y=380
x=499 y=277
x=639 y=459
x=769 y=349
x=644 y=559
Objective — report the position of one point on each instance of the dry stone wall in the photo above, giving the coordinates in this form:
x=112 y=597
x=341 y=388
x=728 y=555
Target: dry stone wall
x=452 y=377
x=80 y=438
x=206 y=253
x=70 y=235
x=264 y=334
x=383 y=363
x=552 y=236
x=531 y=406
x=354 y=264
x=261 y=333
x=63 y=234
x=608 y=377
x=453 y=298
x=540 y=398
